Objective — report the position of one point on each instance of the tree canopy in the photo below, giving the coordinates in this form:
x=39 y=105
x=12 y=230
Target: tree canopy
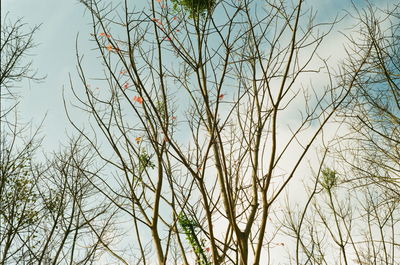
x=210 y=132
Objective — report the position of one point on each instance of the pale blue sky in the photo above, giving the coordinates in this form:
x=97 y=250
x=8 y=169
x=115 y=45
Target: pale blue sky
x=55 y=55
x=61 y=21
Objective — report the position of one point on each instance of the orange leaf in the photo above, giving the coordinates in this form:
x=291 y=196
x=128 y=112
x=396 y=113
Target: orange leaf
x=138 y=99
x=105 y=35
x=109 y=47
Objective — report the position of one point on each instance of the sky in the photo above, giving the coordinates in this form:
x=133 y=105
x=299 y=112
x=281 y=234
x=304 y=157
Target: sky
x=55 y=56
x=62 y=21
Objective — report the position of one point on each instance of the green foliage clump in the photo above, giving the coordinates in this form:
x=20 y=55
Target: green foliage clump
x=193 y=7
x=53 y=202
x=329 y=178
x=18 y=199
x=189 y=227
x=145 y=161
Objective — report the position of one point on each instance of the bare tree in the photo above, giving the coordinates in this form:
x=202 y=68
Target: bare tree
x=352 y=212
x=189 y=117
x=17 y=199
x=373 y=110
x=45 y=207
x=16 y=45
x=196 y=126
